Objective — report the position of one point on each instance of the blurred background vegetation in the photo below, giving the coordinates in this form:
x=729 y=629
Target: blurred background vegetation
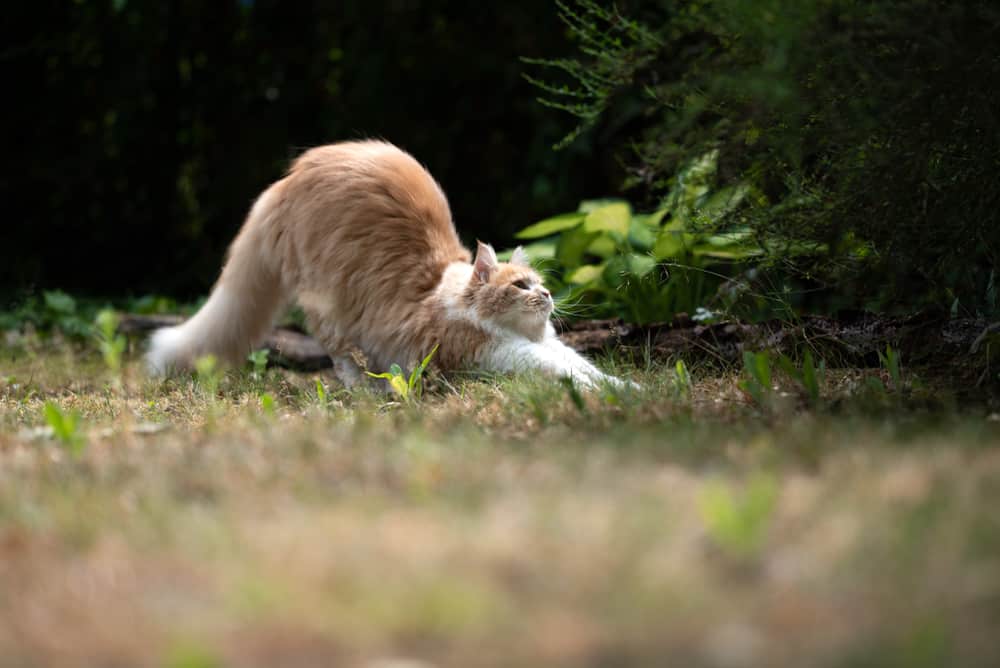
x=142 y=130
x=818 y=154
x=852 y=147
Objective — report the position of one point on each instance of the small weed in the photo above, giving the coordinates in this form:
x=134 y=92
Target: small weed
x=538 y=408
x=65 y=427
x=890 y=361
x=810 y=377
x=258 y=360
x=757 y=383
x=409 y=389
x=875 y=387
x=682 y=381
x=322 y=395
x=267 y=403
x=738 y=522
x=573 y=392
x=208 y=374
x=191 y=655
x=109 y=341
x=59 y=310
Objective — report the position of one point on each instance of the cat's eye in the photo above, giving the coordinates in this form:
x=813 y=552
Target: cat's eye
x=521 y=285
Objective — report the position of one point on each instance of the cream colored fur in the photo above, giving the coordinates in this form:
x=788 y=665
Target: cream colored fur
x=361 y=236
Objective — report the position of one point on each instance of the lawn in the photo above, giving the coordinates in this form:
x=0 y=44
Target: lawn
x=259 y=519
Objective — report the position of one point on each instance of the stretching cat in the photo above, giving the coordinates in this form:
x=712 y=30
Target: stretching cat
x=361 y=235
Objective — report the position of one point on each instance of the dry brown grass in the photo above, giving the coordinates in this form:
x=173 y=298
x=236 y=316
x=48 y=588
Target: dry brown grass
x=496 y=523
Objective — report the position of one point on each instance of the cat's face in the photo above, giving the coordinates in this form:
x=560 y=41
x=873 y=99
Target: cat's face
x=510 y=294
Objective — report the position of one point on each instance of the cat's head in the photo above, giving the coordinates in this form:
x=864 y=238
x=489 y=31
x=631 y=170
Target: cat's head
x=509 y=295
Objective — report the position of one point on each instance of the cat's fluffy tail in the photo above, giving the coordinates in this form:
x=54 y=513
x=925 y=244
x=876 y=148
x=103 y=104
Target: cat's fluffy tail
x=241 y=308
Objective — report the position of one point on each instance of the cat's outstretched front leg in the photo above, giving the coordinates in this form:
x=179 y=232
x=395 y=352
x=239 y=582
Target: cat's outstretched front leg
x=550 y=356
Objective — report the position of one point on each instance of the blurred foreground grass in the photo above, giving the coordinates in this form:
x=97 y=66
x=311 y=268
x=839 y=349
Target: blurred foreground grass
x=248 y=520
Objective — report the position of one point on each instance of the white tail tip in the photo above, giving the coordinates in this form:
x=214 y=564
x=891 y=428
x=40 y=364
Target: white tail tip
x=168 y=351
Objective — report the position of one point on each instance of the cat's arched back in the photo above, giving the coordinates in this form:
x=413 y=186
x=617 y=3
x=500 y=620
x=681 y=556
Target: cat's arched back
x=361 y=236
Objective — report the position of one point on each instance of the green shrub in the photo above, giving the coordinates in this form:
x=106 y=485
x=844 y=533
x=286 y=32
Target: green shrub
x=867 y=131
x=605 y=260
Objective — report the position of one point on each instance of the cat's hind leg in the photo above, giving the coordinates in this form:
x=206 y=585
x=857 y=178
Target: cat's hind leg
x=349 y=371
x=347 y=366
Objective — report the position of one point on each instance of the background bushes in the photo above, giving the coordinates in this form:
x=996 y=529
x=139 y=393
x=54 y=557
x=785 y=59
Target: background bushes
x=868 y=131
x=865 y=135
x=141 y=131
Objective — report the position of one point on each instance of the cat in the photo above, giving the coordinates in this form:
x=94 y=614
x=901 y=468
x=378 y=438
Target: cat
x=361 y=236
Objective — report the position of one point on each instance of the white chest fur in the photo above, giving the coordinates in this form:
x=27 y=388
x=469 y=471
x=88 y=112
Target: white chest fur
x=508 y=351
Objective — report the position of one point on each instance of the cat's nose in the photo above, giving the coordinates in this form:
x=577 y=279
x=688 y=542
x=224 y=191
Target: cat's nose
x=546 y=293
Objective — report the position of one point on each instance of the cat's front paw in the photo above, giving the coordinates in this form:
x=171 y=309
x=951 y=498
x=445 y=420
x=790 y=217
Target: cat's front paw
x=598 y=380
x=622 y=383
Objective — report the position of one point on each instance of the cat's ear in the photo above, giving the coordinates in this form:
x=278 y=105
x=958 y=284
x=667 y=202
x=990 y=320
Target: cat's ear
x=486 y=262
x=520 y=258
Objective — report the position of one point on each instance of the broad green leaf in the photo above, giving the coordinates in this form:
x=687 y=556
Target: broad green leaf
x=616 y=271
x=642 y=233
x=728 y=238
x=418 y=373
x=610 y=218
x=628 y=267
x=590 y=205
x=544 y=228
x=588 y=273
x=396 y=370
x=672 y=244
x=537 y=250
x=735 y=253
x=693 y=193
x=399 y=385
x=640 y=265
x=723 y=201
x=655 y=218
x=673 y=225
x=603 y=246
x=572 y=245
x=59 y=301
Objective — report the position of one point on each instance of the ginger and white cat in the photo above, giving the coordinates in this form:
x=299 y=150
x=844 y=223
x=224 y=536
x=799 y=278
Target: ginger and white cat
x=361 y=236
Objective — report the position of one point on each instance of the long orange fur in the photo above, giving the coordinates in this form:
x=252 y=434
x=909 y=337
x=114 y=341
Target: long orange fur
x=361 y=236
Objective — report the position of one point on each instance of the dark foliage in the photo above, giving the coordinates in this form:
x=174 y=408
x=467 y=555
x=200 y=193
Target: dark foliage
x=139 y=132
x=868 y=129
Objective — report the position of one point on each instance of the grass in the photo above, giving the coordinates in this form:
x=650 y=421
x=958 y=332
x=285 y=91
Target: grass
x=247 y=519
